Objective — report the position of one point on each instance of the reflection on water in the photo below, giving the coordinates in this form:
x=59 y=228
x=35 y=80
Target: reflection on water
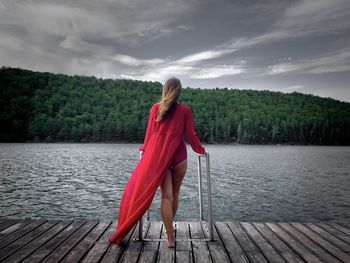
x=249 y=183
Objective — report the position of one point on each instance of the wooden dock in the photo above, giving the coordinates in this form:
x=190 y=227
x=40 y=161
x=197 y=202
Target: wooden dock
x=42 y=240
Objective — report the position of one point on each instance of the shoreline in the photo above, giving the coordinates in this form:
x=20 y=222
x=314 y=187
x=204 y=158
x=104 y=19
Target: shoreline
x=218 y=144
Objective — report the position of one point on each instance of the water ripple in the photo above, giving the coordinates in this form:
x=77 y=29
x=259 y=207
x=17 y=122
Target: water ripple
x=249 y=183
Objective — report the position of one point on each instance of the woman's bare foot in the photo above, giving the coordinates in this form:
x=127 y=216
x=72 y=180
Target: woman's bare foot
x=121 y=244
x=171 y=243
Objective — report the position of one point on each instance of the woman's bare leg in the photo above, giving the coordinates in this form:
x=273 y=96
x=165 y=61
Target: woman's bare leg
x=178 y=175
x=166 y=209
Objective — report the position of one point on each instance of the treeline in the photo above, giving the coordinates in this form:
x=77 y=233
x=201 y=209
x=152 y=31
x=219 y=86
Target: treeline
x=36 y=106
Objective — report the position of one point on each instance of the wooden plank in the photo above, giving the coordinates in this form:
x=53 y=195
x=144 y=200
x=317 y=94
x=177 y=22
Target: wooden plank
x=7 y=223
x=150 y=249
x=22 y=241
x=97 y=251
x=256 y=257
x=331 y=238
x=247 y=244
x=148 y=256
x=12 y=228
x=70 y=242
x=133 y=251
x=154 y=232
x=39 y=240
x=114 y=252
x=182 y=232
x=165 y=254
x=341 y=228
x=36 y=243
x=3 y=221
x=243 y=238
x=290 y=257
x=285 y=251
x=200 y=249
x=183 y=256
x=335 y=231
x=77 y=253
x=7 y=240
x=323 y=243
x=312 y=246
x=230 y=243
x=183 y=249
x=216 y=248
x=267 y=250
x=54 y=242
x=293 y=243
x=346 y=225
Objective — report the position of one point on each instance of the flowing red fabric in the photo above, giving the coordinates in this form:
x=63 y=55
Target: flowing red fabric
x=162 y=139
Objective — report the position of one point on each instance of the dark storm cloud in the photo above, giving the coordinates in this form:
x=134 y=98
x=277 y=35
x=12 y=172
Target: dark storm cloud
x=270 y=44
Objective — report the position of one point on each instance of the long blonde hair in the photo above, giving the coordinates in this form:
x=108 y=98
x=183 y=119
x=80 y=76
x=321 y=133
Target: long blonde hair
x=171 y=93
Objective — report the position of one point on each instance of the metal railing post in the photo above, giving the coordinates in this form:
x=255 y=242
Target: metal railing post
x=141 y=220
x=210 y=208
x=140 y=229
x=200 y=187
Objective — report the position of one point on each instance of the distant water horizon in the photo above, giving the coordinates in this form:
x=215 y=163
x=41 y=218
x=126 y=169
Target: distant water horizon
x=268 y=183
x=140 y=143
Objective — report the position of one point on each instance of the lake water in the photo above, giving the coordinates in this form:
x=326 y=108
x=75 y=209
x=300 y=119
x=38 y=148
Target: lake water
x=249 y=182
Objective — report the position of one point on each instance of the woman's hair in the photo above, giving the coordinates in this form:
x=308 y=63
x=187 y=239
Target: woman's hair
x=171 y=92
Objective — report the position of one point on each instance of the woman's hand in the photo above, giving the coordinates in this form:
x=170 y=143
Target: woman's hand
x=204 y=154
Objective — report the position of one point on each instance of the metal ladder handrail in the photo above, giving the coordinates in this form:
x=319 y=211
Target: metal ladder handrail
x=210 y=209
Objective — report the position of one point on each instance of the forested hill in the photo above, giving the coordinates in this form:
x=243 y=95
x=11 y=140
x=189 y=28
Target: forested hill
x=37 y=106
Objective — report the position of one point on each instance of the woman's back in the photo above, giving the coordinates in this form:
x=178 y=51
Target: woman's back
x=179 y=123
x=174 y=123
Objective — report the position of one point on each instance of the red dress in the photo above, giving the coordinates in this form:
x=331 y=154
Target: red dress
x=162 y=140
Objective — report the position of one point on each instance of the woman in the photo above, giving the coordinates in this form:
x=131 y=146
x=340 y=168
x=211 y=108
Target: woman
x=163 y=163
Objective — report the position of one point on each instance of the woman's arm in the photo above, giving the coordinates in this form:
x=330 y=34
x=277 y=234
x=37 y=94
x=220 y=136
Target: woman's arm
x=149 y=130
x=191 y=135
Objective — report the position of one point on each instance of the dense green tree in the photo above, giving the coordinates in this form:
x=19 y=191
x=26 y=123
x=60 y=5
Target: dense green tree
x=36 y=106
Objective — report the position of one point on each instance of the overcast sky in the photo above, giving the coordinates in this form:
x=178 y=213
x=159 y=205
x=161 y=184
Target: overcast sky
x=282 y=45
